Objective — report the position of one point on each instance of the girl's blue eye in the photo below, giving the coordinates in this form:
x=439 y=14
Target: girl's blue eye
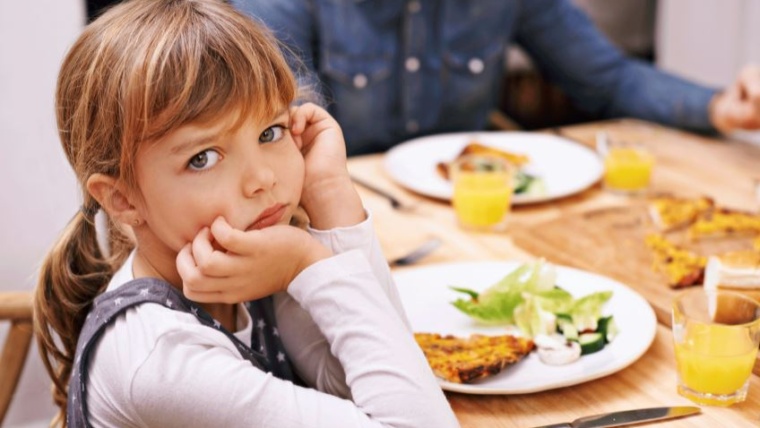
x=272 y=134
x=204 y=160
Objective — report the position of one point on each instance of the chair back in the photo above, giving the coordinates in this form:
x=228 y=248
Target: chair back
x=15 y=307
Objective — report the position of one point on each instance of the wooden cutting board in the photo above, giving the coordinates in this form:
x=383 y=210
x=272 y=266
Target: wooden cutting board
x=610 y=241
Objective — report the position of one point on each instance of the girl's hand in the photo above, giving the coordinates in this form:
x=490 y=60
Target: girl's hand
x=225 y=265
x=328 y=197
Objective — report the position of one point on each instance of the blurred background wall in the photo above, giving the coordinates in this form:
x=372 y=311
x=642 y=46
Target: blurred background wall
x=39 y=193
x=707 y=40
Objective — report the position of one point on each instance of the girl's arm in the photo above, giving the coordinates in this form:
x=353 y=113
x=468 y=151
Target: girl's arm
x=335 y=210
x=328 y=196
x=183 y=383
x=363 y=237
x=306 y=345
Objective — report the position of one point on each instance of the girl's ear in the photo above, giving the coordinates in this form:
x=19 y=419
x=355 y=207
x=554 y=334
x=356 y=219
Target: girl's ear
x=112 y=197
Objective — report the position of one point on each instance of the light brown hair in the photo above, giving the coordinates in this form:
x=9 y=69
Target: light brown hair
x=138 y=72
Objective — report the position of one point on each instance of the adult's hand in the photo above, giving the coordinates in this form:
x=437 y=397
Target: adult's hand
x=738 y=107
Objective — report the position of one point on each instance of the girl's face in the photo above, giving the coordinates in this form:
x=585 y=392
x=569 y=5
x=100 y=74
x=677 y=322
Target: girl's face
x=252 y=176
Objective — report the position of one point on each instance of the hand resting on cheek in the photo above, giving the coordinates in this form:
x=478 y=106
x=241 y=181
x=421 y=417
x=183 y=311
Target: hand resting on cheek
x=226 y=265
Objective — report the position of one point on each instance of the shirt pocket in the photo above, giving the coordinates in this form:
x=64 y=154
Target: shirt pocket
x=472 y=78
x=476 y=36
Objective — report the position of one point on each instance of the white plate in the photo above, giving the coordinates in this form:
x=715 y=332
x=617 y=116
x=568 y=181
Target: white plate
x=426 y=297
x=565 y=166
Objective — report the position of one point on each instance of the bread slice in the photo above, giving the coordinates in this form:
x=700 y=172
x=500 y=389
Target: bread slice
x=737 y=271
x=725 y=223
x=682 y=267
x=669 y=213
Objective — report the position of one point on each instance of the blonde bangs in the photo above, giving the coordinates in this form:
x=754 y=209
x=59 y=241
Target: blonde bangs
x=214 y=64
x=156 y=65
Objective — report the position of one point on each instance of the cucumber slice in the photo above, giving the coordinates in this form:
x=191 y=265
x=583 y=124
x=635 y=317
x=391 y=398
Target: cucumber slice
x=591 y=342
x=607 y=328
x=566 y=327
x=521 y=182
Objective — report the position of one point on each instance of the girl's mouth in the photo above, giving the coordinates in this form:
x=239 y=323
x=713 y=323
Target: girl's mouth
x=269 y=217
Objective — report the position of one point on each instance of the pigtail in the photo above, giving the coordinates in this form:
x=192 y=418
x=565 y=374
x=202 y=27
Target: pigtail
x=72 y=275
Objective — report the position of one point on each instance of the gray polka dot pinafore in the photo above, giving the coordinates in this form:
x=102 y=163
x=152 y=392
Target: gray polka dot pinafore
x=266 y=351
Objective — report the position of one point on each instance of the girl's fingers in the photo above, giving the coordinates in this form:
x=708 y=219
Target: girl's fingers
x=186 y=266
x=220 y=290
x=202 y=249
x=231 y=239
x=301 y=116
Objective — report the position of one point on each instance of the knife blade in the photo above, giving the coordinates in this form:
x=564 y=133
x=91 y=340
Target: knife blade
x=628 y=417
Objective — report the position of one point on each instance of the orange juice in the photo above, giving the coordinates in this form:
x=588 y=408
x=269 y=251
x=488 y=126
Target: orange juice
x=627 y=169
x=482 y=192
x=716 y=360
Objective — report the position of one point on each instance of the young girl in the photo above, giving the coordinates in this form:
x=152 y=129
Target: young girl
x=176 y=117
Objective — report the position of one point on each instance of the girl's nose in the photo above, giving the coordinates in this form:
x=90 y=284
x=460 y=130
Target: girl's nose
x=258 y=178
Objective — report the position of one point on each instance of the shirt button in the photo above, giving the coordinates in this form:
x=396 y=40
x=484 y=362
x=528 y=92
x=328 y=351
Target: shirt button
x=414 y=6
x=412 y=126
x=412 y=64
x=476 y=65
x=360 y=81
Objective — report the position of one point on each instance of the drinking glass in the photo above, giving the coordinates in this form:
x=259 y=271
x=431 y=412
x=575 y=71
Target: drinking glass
x=482 y=192
x=627 y=165
x=716 y=336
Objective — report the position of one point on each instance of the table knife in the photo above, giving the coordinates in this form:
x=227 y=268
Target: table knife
x=628 y=417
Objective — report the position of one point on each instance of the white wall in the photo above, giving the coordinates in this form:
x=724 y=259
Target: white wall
x=708 y=40
x=39 y=191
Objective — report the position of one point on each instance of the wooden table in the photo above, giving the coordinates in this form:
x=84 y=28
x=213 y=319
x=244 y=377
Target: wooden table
x=687 y=164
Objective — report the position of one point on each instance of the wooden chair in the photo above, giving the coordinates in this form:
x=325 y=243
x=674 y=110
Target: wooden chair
x=15 y=307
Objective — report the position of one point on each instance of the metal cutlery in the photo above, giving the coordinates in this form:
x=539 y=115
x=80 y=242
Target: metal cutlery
x=394 y=201
x=418 y=253
x=628 y=417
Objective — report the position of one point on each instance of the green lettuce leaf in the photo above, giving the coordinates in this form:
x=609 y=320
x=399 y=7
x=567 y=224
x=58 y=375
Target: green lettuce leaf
x=529 y=298
x=587 y=310
x=532 y=319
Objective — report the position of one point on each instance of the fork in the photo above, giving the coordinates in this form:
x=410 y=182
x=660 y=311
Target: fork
x=423 y=250
x=395 y=202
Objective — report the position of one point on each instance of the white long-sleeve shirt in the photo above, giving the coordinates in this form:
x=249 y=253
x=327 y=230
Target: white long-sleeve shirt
x=341 y=323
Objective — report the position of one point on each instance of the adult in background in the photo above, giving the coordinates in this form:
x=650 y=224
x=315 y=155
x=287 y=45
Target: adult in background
x=390 y=70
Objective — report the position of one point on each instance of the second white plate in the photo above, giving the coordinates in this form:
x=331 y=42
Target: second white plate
x=427 y=298
x=565 y=166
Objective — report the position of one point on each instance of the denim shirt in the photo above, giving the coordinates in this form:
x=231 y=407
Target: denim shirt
x=390 y=70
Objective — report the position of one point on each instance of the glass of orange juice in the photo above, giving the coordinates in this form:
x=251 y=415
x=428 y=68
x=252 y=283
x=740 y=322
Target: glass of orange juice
x=482 y=192
x=627 y=165
x=716 y=336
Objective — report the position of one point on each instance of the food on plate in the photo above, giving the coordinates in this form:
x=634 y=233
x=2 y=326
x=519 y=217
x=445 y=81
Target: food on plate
x=463 y=360
x=725 y=223
x=556 y=350
x=701 y=219
x=524 y=183
x=669 y=212
x=682 y=267
x=734 y=271
x=529 y=299
x=516 y=159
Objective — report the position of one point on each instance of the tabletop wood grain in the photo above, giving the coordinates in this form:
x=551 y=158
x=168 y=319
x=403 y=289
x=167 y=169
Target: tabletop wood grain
x=687 y=164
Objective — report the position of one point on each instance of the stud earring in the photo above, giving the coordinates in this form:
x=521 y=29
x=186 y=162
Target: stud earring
x=136 y=222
